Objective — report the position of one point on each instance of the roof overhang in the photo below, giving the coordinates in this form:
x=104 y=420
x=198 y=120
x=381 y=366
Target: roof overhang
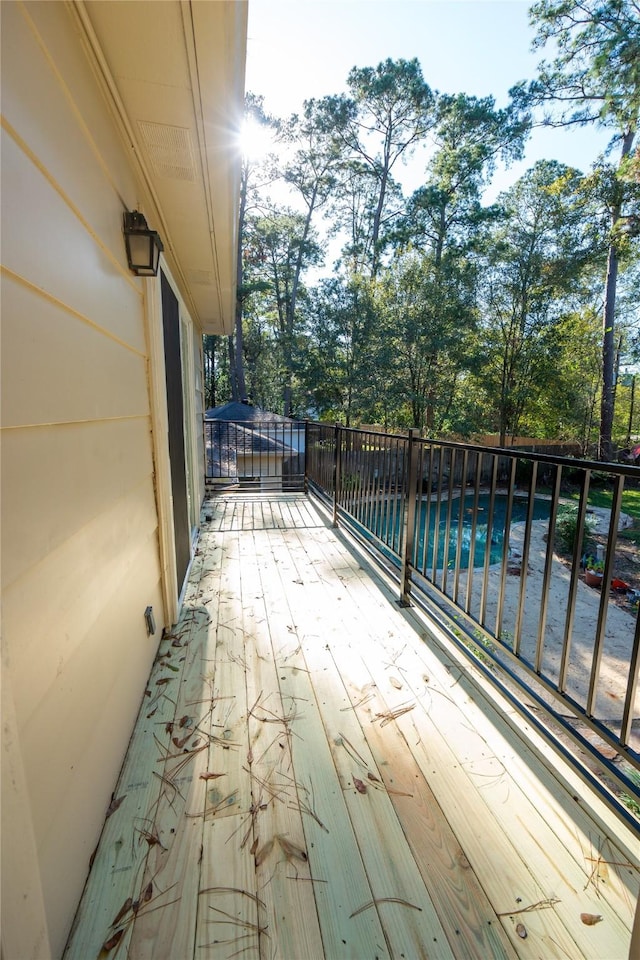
x=174 y=72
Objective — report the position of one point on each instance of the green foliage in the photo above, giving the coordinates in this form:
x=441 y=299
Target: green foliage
x=567 y=532
x=630 y=802
x=443 y=314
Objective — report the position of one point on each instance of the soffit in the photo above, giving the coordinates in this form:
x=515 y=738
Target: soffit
x=177 y=69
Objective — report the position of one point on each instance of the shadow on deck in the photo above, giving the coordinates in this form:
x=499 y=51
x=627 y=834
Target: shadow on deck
x=316 y=773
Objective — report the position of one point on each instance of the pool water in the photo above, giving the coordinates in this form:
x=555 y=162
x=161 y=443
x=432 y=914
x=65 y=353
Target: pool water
x=389 y=528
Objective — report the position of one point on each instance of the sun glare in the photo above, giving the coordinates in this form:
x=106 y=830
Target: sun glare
x=256 y=140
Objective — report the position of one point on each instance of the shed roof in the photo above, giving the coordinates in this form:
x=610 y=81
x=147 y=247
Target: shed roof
x=244 y=413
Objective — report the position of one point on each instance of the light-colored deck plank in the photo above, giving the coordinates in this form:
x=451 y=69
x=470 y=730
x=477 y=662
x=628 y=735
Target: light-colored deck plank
x=437 y=855
x=291 y=657
x=282 y=866
x=408 y=917
x=339 y=879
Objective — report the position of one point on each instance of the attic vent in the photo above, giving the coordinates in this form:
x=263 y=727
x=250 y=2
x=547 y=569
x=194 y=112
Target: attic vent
x=203 y=277
x=170 y=150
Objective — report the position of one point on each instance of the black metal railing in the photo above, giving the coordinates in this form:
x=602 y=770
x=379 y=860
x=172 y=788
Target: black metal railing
x=255 y=454
x=501 y=540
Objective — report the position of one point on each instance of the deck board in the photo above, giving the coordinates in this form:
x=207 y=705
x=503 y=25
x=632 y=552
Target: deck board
x=315 y=774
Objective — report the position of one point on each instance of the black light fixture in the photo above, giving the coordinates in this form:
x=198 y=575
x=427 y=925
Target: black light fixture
x=143 y=245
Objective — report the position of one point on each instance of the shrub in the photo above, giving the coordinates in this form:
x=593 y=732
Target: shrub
x=567 y=528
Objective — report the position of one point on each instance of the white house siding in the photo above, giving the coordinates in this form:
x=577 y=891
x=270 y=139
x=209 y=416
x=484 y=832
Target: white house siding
x=80 y=554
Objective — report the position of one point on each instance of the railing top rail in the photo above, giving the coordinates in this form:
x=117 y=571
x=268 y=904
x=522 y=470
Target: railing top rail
x=514 y=453
x=258 y=423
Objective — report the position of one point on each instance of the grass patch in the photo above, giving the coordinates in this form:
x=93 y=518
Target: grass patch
x=603 y=498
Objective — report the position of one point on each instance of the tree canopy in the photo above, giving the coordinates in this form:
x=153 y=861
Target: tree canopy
x=444 y=312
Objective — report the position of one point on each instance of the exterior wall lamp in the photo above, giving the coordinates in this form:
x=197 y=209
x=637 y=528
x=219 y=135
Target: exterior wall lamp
x=143 y=245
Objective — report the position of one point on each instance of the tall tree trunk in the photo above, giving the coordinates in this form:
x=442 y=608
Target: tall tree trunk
x=239 y=388
x=232 y=369
x=607 y=403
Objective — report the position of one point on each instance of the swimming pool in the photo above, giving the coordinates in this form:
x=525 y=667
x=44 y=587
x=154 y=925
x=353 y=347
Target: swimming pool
x=385 y=522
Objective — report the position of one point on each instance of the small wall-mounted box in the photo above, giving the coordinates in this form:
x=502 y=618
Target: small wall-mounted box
x=151 y=623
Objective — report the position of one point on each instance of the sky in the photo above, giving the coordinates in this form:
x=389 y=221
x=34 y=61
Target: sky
x=298 y=49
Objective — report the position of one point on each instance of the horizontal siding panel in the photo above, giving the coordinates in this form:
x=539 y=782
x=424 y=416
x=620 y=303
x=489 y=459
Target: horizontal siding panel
x=51 y=127
x=59 y=36
x=57 y=368
x=52 y=249
x=57 y=479
x=73 y=585
x=75 y=743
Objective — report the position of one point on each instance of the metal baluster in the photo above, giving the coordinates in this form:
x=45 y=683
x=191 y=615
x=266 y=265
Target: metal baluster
x=604 y=597
x=573 y=584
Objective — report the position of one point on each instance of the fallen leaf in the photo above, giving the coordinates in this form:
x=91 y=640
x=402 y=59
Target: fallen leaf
x=254 y=846
x=185 y=721
x=122 y=912
x=359 y=785
x=113 y=806
x=211 y=776
x=521 y=930
x=113 y=941
x=291 y=851
x=180 y=743
x=374 y=778
x=148 y=892
x=590 y=918
x=395 y=683
x=163 y=680
x=262 y=854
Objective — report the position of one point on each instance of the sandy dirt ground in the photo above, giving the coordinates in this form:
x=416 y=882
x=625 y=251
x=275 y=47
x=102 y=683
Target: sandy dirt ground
x=618 y=635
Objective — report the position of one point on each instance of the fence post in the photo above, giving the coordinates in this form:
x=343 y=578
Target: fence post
x=409 y=524
x=337 y=464
x=306 y=455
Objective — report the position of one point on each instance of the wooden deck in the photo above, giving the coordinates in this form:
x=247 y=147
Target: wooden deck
x=313 y=774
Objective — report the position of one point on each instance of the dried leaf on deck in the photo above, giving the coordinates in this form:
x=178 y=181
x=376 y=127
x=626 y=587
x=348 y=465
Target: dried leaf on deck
x=148 y=892
x=185 y=721
x=211 y=776
x=375 y=779
x=122 y=912
x=291 y=850
x=150 y=838
x=521 y=930
x=395 y=683
x=113 y=806
x=359 y=785
x=163 y=680
x=254 y=846
x=590 y=918
x=180 y=743
x=113 y=941
x=262 y=854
